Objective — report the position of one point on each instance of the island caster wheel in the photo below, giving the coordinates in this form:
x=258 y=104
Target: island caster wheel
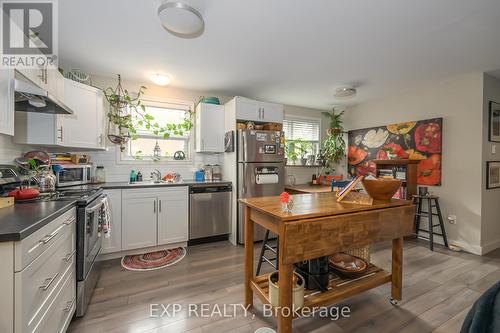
x=394 y=301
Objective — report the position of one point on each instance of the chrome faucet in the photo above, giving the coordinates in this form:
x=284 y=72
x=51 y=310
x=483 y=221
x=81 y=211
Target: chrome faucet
x=156 y=176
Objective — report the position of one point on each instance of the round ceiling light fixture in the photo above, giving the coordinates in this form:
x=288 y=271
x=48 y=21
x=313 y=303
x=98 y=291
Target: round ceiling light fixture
x=345 y=92
x=181 y=20
x=160 y=79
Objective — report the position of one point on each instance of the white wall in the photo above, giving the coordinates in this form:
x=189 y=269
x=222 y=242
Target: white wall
x=10 y=150
x=490 y=227
x=459 y=100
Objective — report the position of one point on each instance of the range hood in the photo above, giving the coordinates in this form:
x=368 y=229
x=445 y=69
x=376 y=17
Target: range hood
x=31 y=98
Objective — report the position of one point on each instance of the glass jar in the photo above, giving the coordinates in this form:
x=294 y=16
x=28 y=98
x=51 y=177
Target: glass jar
x=46 y=181
x=100 y=174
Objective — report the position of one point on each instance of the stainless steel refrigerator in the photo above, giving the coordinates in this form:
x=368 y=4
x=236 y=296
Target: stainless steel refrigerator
x=261 y=170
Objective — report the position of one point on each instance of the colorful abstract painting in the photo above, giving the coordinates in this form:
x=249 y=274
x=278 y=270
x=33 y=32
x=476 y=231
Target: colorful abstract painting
x=416 y=140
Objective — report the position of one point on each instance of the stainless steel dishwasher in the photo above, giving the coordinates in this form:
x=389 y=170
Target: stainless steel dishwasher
x=209 y=212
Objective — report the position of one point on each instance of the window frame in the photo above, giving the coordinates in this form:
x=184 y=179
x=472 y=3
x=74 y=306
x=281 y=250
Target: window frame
x=310 y=118
x=125 y=158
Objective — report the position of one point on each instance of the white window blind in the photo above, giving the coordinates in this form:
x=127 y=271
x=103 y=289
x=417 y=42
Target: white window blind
x=304 y=129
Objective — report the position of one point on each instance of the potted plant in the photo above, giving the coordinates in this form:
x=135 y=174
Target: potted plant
x=303 y=147
x=333 y=147
x=290 y=152
x=127 y=114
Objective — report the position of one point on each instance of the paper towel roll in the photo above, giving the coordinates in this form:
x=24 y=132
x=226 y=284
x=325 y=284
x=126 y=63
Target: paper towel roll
x=267 y=179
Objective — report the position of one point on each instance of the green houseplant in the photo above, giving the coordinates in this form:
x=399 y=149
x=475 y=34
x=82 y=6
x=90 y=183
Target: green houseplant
x=333 y=147
x=297 y=148
x=127 y=114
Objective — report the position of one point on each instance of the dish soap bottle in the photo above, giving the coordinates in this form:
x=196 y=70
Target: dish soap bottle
x=139 y=176
x=133 y=176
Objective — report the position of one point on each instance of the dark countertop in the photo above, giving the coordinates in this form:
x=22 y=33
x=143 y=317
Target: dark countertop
x=146 y=184
x=21 y=220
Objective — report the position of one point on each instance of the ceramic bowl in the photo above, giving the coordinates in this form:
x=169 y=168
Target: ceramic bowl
x=381 y=189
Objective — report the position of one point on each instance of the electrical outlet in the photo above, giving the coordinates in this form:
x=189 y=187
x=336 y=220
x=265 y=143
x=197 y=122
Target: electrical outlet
x=452 y=219
x=494 y=149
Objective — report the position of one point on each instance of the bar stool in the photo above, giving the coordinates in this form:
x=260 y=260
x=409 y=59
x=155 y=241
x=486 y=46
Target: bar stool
x=266 y=247
x=432 y=202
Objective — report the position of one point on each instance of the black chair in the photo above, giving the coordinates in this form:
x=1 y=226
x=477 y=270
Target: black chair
x=432 y=202
x=267 y=247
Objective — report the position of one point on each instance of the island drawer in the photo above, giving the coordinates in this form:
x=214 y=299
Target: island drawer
x=34 y=245
x=36 y=285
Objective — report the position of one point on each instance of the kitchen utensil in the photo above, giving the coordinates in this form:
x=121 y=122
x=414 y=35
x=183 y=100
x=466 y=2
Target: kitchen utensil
x=347 y=265
x=24 y=194
x=39 y=155
x=381 y=189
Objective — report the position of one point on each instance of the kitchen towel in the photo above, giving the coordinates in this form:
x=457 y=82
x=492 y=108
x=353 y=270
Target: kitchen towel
x=267 y=179
x=106 y=218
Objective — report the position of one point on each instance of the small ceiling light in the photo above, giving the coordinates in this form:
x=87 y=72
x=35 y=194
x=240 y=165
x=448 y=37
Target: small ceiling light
x=345 y=92
x=181 y=20
x=160 y=79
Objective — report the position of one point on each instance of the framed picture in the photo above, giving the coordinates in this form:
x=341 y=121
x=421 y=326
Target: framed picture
x=494 y=122
x=492 y=174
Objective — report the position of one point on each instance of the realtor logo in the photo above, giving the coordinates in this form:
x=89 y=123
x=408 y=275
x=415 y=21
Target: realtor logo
x=29 y=33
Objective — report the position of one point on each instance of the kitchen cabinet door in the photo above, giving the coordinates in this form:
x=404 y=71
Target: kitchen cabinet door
x=7 y=101
x=55 y=83
x=114 y=242
x=38 y=76
x=80 y=130
x=173 y=215
x=247 y=109
x=271 y=112
x=209 y=128
x=139 y=222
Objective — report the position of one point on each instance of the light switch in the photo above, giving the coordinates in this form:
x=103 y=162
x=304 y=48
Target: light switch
x=494 y=149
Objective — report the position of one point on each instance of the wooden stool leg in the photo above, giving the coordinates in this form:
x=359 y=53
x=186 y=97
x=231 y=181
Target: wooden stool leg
x=431 y=229
x=441 y=223
x=249 y=236
x=262 y=251
x=397 y=270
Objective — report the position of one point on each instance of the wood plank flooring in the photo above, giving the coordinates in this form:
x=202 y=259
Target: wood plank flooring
x=438 y=289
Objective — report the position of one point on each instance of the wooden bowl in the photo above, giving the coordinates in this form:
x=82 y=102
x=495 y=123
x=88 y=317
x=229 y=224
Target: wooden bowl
x=381 y=189
x=347 y=265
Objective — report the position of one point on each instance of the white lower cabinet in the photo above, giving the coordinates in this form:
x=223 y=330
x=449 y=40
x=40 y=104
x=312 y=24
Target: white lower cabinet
x=139 y=222
x=153 y=216
x=113 y=243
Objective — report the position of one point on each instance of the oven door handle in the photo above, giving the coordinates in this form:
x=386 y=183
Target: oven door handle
x=95 y=207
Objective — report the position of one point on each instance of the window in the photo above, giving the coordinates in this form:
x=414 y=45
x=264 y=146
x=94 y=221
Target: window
x=142 y=148
x=305 y=130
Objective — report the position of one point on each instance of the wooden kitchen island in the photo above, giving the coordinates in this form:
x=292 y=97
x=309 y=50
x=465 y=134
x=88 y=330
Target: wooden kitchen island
x=319 y=226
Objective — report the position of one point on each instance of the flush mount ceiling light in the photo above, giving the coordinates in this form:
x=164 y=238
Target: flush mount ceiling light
x=181 y=20
x=160 y=79
x=345 y=92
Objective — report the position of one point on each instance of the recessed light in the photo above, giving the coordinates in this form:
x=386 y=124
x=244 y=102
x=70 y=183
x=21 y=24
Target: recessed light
x=345 y=92
x=181 y=20
x=160 y=79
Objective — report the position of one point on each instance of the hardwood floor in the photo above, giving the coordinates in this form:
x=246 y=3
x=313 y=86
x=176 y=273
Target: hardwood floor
x=438 y=289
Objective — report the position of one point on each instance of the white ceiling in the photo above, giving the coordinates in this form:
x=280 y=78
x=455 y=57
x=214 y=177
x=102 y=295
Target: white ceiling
x=289 y=51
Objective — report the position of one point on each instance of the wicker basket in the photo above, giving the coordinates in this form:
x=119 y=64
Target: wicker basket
x=361 y=252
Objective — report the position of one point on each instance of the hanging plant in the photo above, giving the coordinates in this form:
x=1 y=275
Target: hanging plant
x=127 y=113
x=333 y=149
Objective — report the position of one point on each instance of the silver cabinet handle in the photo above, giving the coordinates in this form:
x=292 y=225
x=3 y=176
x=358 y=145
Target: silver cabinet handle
x=69 y=256
x=69 y=305
x=263 y=113
x=69 y=221
x=61 y=131
x=48 y=282
x=159 y=208
x=48 y=238
x=154 y=206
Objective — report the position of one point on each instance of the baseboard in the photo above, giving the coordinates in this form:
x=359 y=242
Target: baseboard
x=491 y=246
x=115 y=255
x=474 y=249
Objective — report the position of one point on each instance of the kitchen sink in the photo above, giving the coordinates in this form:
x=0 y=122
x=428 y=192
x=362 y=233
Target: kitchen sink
x=150 y=183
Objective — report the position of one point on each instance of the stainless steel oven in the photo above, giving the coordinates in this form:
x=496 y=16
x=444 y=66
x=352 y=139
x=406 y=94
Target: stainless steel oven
x=73 y=174
x=90 y=219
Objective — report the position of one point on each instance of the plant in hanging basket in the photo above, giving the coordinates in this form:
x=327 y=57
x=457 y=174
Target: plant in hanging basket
x=127 y=114
x=333 y=150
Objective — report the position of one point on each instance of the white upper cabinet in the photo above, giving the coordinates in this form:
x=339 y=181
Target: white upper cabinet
x=7 y=101
x=84 y=128
x=251 y=110
x=209 y=126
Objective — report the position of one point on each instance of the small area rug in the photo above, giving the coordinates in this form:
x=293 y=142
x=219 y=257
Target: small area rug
x=153 y=260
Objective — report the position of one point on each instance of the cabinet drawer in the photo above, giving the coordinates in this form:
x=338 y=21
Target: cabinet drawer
x=154 y=191
x=34 y=245
x=36 y=285
x=59 y=312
